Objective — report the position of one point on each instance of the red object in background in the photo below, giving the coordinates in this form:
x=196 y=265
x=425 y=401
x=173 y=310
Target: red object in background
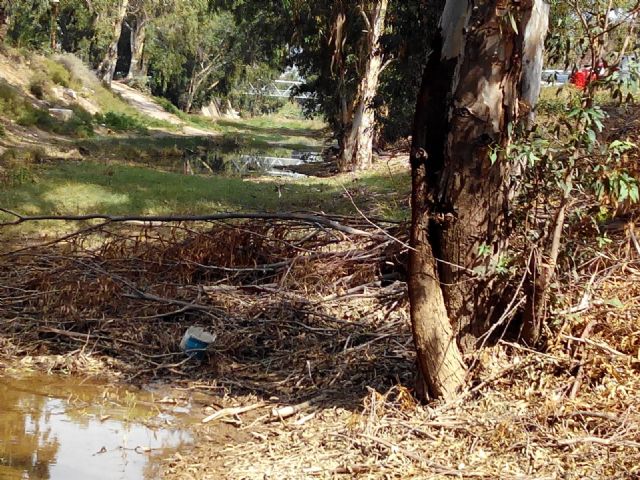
x=579 y=79
x=586 y=75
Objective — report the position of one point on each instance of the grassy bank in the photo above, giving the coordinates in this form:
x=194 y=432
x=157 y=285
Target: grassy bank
x=82 y=187
x=286 y=129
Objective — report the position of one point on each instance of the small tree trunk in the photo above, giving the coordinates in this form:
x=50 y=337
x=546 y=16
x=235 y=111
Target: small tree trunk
x=107 y=67
x=358 y=146
x=138 y=66
x=439 y=359
x=470 y=94
x=190 y=96
x=4 y=22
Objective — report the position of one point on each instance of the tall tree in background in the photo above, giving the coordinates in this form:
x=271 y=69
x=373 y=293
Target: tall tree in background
x=107 y=67
x=338 y=48
x=470 y=101
x=357 y=150
x=190 y=50
x=137 y=22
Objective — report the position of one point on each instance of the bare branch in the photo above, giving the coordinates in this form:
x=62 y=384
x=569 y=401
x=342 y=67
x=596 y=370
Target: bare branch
x=312 y=219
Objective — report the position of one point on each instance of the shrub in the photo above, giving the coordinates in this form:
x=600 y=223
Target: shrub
x=33 y=117
x=40 y=86
x=80 y=74
x=57 y=73
x=16 y=165
x=120 y=121
x=168 y=106
x=80 y=126
x=12 y=103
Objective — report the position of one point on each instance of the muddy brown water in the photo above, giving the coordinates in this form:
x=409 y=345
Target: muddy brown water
x=54 y=428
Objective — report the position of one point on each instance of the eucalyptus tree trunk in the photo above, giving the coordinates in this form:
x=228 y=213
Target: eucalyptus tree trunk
x=138 y=66
x=107 y=67
x=357 y=148
x=471 y=92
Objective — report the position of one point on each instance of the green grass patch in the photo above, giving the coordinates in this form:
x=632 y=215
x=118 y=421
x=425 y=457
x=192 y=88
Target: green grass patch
x=145 y=148
x=275 y=130
x=17 y=166
x=60 y=75
x=15 y=106
x=114 y=188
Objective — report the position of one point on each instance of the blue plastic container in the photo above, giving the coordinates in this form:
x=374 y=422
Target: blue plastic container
x=196 y=342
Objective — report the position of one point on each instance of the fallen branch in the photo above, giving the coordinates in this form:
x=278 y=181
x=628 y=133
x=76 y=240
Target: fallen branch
x=290 y=410
x=312 y=219
x=425 y=465
x=595 y=344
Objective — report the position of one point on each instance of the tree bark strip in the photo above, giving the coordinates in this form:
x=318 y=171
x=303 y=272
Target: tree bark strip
x=138 y=65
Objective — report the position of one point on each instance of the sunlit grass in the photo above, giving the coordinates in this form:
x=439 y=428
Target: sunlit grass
x=287 y=128
x=77 y=188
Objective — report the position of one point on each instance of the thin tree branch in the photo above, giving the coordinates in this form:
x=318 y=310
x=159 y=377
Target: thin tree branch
x=311 y=219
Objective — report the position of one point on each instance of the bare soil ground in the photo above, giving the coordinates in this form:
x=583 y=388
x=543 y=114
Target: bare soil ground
x=146 y=105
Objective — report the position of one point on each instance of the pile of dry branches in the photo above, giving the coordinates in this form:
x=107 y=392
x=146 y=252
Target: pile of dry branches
x=294 y=308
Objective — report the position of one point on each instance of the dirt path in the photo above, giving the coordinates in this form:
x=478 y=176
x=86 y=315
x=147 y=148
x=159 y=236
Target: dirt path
x=149 y=107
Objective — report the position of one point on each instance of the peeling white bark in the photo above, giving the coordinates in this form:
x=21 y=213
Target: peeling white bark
x=453 y=23
x=475 y=95
x=358 y=148
x=533 y=55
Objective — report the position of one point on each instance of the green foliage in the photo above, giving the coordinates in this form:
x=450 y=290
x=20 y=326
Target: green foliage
x=59 y=74
x=190 y=49
x=47 y=73
x=168 y=106
x=14 y=106
x=79 y=126
x=584 y=31
x=120 y=122
x=411 y=25
x=612 y=182
x=30 y=23
x=257 y=78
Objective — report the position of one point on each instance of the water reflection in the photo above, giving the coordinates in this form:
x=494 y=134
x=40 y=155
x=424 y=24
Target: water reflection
x=275 y=162
x=56 y=429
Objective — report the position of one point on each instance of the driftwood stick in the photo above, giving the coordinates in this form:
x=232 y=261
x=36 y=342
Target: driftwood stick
x=226 y=412
x=289 y=410
x=613 y=442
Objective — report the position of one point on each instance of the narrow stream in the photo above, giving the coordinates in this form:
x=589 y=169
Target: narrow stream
x=276 y=162
x=63 y=428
